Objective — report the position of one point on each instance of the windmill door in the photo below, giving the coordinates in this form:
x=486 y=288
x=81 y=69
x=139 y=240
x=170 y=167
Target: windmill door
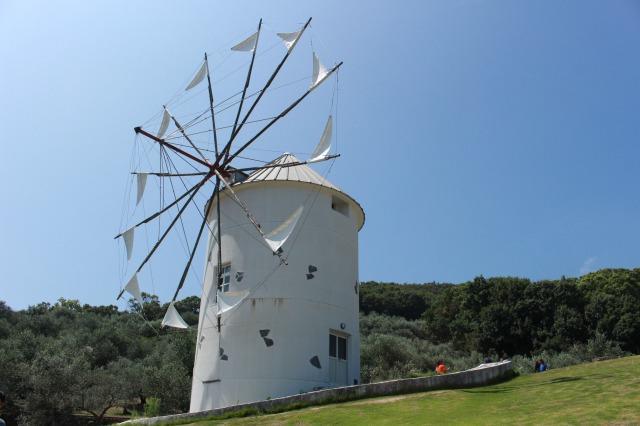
x=338 y=374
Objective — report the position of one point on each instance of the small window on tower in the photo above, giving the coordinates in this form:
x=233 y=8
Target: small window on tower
x=225 y=277
x=339 y=205
x=337 y=347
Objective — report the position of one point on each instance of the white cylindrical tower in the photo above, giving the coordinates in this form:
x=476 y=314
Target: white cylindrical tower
x=297 y=328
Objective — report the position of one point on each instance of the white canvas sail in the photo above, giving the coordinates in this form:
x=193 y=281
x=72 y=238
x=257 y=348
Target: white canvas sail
x=229 y=300
x=127 y=236
x=202 y=72
x=133 y=289
x=173 y=319
x=319 y=71
x=276 y=238
x=323 y=147
x=164 y=125
x=289 y=39
x=142 y=183
x=246 y=45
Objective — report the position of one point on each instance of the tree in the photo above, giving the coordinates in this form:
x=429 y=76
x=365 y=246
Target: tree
x=150 y=309
x=52 y=381
x=613 y=297
x=392 y=299
x=103 y=388
x=165 y=377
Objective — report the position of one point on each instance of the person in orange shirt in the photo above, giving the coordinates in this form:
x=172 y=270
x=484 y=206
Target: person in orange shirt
x=441 y=368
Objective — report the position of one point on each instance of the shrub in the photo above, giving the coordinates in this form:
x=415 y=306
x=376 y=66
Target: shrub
x=394 y=348
x=152 y=407
x=596 y=348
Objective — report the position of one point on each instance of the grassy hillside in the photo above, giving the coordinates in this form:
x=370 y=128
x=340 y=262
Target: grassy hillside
x=595 y=393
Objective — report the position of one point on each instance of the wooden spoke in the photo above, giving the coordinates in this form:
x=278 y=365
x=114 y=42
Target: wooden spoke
x=168 y=206
x=213 y=116
x=172 y=147
x=166 y=174
x=175 y=121
x=246 y=84
x=219 y=271
x=296 y=163
x=173 y=222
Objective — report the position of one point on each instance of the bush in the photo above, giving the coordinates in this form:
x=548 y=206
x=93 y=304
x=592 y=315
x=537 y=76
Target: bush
x=594 y=349
x=394 y=348
x=152 y=407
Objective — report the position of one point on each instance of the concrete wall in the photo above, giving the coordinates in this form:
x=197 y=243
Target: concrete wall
x=482 y=375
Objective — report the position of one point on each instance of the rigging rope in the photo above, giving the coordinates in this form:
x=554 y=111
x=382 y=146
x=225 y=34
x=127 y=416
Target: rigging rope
x=166 y=161
x=181 y=92
x=217 y=128
x=219 y=104
x=184 y=232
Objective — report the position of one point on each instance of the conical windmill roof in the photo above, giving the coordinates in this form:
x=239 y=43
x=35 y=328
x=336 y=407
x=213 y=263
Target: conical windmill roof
x=299 y=173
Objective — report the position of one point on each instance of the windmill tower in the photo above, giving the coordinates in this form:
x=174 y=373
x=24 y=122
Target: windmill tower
x=279 y=307
x=298 y=330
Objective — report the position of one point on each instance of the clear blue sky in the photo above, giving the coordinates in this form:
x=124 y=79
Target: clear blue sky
x=481 y=137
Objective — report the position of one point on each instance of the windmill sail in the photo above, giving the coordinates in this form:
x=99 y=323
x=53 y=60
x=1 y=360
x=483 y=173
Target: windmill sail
x=127 y=236
x=246 y=45
x=324 y=145
x=133 y=289
x=202 y=72
x=164 y=124
x=289 y=39
x=279 y=236
x=230 y=300
x=142 y=183
x=173 y=319
x=319 y=71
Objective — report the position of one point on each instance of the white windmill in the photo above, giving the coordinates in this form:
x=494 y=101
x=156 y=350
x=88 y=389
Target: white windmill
x=279 y=305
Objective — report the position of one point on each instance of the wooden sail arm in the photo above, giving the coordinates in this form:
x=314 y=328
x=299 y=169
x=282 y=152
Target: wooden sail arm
x=182 y=131
x=173 y=222
x=279 y=116
x=168 y=206
x=246 y=84
x=242 y=205
x=213 y=116
x=172 y=147
x=235 y=131
x=219 y=271
x=295 y=163
x=195 y=245
x=163 y=174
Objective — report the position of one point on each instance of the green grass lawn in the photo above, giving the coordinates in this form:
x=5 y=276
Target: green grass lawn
x=606 y=392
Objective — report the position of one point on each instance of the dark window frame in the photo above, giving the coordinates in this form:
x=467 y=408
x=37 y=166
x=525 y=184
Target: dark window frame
x=333 y=346
x=338 y=347
x=342 y=348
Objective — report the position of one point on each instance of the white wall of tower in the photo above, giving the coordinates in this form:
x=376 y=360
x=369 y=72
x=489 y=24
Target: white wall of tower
x=299 y=312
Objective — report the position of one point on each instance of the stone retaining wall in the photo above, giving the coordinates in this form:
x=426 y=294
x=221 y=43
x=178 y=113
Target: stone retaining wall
x=481 y=375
